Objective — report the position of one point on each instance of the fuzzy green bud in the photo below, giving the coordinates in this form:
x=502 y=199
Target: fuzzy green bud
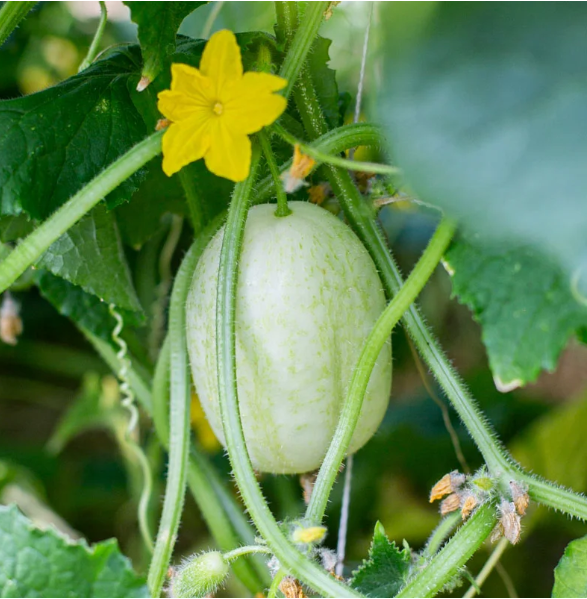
x=200 y=576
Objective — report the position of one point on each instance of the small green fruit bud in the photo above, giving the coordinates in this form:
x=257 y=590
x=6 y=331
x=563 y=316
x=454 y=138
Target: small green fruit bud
x=200 y=576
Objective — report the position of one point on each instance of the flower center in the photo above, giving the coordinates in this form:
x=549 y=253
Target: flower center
x=218 y=108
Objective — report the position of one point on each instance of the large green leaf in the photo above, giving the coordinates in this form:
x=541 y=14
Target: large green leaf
x=55 y=141
x=90 y=255
x=385 y=571
x=42 y=563
x=486 y=111
x=523 y=302
x=84 y=309
x=570 y=575
x=158 y=23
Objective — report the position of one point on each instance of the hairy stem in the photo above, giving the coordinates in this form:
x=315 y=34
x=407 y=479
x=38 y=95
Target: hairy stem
x=301 y=43
x=326 y=158
x=379 y=336
x=93 y=50
x=294 y=561
x=445 y=565
x=282 y=207
x=332 y=142
x=28 y=251
x=11 y=14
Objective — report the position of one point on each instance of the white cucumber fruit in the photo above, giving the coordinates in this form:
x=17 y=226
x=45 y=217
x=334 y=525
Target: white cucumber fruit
x=308 y=295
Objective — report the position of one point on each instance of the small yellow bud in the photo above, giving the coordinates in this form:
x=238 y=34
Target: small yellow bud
x=448 y=484
x=311 y=534
x=300 y=168
x=520 y=497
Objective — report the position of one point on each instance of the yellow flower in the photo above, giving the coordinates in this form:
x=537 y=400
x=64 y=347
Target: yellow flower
x=214 y=108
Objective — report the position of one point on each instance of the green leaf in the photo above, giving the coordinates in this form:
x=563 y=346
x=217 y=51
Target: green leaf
x=385 y=571
x=324 y=79
x=43 y=563
x=84 y=309
x=139 y=219
x=90 y=255
x=570 y=575
x=523 y=302
x=14 y=227
x=54 y=142
x=489 y=120
x=554 y=446
x=158 y=23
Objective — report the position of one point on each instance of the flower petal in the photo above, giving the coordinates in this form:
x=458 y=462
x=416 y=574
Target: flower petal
x=229 y=155
x=185 y=142
x=221 y=61
x=190 y=91
x=252 y=104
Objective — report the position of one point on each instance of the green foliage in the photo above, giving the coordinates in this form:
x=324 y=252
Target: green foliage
x=85 y=309
x=42 y=563
x=570 y=576
x=554 y=446
x=523 y=302
x=14 y=227
x=158 y=23
x=57 y=140
x=487 y=118
x=90 y=255
x=386 y=569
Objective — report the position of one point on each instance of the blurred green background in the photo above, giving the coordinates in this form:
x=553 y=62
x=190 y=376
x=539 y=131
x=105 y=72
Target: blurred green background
x=88 y=485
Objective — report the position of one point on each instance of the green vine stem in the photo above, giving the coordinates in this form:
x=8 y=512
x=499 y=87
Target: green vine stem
x=224 y=518
x=28 y=251
x=323 y=157
x=11 y=14
x=445 y=565
x=291 y=559
x=301 y=43
x=179 y=419
x=282 y=207
x=95 y=45
x=246 y=550
x=332 y=142
x=377 y=338
x=193 y=199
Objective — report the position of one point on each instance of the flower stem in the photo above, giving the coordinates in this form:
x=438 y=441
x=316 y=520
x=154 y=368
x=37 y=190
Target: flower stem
x=441 y=532
x=93 y=50
x=244 y=474
x=323 y=157
x=246 y=550
x=445 y=565
x=488 y=567
x=282 y=207
x=375 y=342
x=194 y=201
x=11 y=14
x=332 y=142
x=301 y=42
x=32 y=247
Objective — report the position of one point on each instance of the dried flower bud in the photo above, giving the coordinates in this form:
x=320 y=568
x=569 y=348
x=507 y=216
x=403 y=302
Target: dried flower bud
x=469 y=504
x=510 y=521
x=448 y=484
x=307 y=482
x=10 y=322
x=520 y=497
x=162 y=124
x=318 y=193
x=291 y=588
x=200 y=576
x=450 y=504
x=309 y=534
x=496 y=533
x=299 y=170
x=328 y=11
